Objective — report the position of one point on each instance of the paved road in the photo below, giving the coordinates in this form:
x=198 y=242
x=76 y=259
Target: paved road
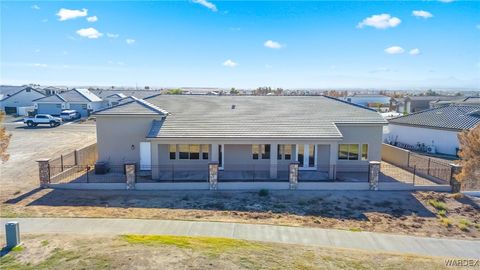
x=281 y=234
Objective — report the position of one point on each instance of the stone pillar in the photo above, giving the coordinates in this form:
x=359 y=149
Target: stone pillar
x=130 y=175
x=273 y=160
x=293 y=174
x=455 y=185
x=332 y=170
x=213 y=175
x=44 y=172
x=373 y=174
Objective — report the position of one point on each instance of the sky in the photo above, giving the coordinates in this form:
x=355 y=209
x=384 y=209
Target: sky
x=243 y=44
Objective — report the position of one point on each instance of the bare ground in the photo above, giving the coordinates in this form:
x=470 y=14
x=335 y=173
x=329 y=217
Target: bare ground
x=173 y=252
x=415 y=213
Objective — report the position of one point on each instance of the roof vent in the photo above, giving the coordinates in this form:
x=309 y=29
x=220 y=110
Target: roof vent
x=475 y=113
x=233 y=107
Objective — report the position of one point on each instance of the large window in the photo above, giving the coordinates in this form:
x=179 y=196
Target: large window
x=284 y=151
x=261 y=151
x=364 y=151
x=189 y=151
x=172 y=148
x=348 y=151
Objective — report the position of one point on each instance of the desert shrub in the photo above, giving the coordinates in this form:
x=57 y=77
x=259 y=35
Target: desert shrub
x=446 y=222
x=263 y=192
x=442 y=213
x=438 y=205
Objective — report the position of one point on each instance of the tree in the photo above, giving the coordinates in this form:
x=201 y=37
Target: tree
x=4 y=140
x=234 y=91
x=177 y=91
x=470 y=155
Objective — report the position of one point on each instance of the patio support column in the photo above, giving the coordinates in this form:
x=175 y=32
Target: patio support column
x=273 y=160
x=214 y=152
x=155 y=161
x=332 y=169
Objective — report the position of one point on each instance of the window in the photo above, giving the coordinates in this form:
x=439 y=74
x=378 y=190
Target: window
x=172 y=148
x=300 y=153
x=183 y=151
x=348 y=151
x=194 y=151
x=262 y=150
x=311 y=155
x=265 y=148
x=255 y=151
x=364 y=151
x=204 y=151
x=285 y=151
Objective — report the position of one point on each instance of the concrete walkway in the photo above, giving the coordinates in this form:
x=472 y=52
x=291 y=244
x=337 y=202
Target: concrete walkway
x=269 y=233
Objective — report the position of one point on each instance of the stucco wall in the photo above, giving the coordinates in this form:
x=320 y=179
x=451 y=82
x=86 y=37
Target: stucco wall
x=371 y=135
x=395 y=155
x=117 y=134
x=445 y=141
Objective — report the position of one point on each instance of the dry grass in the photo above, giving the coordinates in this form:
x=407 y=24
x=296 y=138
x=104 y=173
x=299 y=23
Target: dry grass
x=173 y=252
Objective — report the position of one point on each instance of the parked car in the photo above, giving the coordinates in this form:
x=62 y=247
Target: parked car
x=69 y=115
x=40 y=119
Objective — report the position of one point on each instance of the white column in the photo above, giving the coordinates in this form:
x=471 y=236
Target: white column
x=273 y=160
x=333 y=160
x=214 y=152
x=155 y=161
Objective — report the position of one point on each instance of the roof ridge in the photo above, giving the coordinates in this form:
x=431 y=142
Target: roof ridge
x=149 y=105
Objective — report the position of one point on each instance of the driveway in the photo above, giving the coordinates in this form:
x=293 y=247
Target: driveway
x=20 y=172
x=369 y=241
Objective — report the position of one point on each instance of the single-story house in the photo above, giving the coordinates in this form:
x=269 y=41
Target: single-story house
x=472 y=100
x=81 y=100
x=183 y=132
x=434 y=130
x=16 y=98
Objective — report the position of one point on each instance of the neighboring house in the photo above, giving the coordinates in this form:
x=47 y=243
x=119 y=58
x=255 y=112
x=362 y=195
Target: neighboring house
x=365 y=99
x=239 y=132
x=436 y=130
x=81 y=100
x=461 y=101
x=412 y=104
x=16 y=99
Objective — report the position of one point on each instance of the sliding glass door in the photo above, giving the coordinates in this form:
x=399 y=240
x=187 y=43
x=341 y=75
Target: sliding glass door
x=306 y=156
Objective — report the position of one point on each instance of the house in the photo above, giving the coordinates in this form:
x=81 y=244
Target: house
x=80 y=100
x=434 y=130
x=473 y=100
x=241 y=133
x=412 y=104
x=16 y=99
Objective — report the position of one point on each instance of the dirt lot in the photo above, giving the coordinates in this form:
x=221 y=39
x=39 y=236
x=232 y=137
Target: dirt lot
x=174 y=252
x=20 y=173
x=414 y=213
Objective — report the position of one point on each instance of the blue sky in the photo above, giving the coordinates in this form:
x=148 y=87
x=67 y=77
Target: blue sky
x=310 y=44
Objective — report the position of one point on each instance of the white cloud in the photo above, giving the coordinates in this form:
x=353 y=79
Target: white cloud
x=111 y=35
x=446 y=1
x=36 y=7
x=380 y=21
x=40 y=65
x=130 y=41
x=90 y=33
x=92 y=19
x=206 y=4
x=422 y=14
x=230 y=63
x=394 y=50
x=415 y=51
x=68 y=14
x=272 y=44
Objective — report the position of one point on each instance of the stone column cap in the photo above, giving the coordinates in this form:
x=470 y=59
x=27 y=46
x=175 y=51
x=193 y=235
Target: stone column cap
x=374 y=162
x=43 y=160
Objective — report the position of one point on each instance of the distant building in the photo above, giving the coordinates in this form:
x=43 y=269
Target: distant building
x=18 y=99
x=81 y=100
x=412 y=104
x=461 y=101
x=433 y=130
x=366 y=100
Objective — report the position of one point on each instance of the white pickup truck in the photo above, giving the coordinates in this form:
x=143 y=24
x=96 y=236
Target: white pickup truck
x=40 y=119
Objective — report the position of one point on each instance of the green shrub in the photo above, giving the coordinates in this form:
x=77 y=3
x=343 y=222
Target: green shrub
x=465 y=222
x=446 y=222
x=442 y=213
x=263 y=192
x=438 y=205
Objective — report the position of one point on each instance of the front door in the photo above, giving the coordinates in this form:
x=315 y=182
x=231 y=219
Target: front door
x=306 y=156
x=145 y=156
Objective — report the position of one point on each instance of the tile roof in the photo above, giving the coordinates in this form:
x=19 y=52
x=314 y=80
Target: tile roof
x=254 y=116
x=52 y=98
x=455 y=117
x=9 y=91
x=133 y=106
x=137 y=93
